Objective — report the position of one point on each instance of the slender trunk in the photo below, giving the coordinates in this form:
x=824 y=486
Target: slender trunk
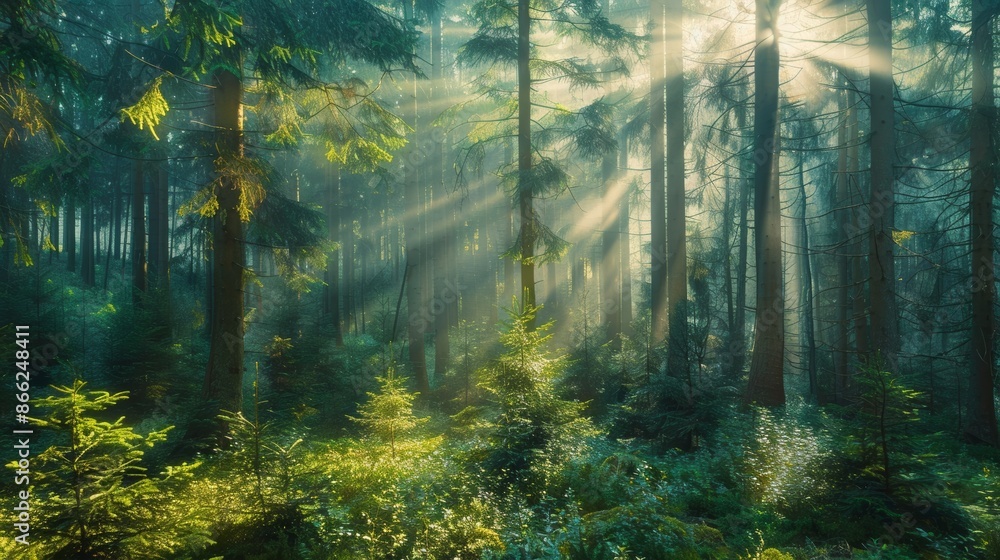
x=153 y=238
x=805 y=268
x=982 y=419
x=332 y=299
x=138 y=233
x=677 y=349
x=509 y=231
x=767 y=383
x=69 y=230
x=348 y=241
x=624 y=240
x=444 y=303
x=738 y=343
x=107 y=257
x=224 y=375
x=54 y=233
x=843 y=216
x=164 y=194
x=727 y=254
x=610 y=251
x=657 y=193
x=524 y=164
x=87 y=242
x=881 y=205
x=116 y=211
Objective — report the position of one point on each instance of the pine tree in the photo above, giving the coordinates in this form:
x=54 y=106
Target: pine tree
x=279 y=50
x=531 y=419
x=95 y=499
x=503 y=43
x=389 y=413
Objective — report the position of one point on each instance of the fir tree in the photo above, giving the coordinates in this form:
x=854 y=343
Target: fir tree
x=389 y=413
x=95 y=499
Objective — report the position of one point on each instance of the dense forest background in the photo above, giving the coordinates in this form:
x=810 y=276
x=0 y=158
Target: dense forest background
x=509 y=279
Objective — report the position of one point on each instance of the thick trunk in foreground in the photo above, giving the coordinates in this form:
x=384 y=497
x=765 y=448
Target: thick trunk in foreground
x=416 y=274
x=444 y=306
x=159 y=228
x=881 y=204
x=224 y=376
x=982 y=421
x=767 y=383
x=859 y=297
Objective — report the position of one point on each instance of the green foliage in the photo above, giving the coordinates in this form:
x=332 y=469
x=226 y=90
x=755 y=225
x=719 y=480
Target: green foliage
x=259 y=487
x=294 y=236
x=138 y=354
x=771 y=554
x=885 y=406
x=418 y=504
x=149 y=109
x=531 y=422
x=94 y=498
x=389 y=413
x=782 y=459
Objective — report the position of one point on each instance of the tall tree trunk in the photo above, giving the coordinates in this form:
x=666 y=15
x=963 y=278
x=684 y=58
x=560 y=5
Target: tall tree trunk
x=982 y=419
x=163 y=265
x=843 y=199
x=87 y=242
x=510 y=237
x=54 y=233
x=331 y=302
x=347 y=240
x=69 y=230
x=858 y=255
x=224 y=375
x=116 y=211
x=610 y=251
x=657 y=185
x=881 y=205
x=738 y=343
x=727 y=256
x=444 y=301
x=415 y=257
x=677 y=349
x=805 y=270
x=159 y=227
x=525 y=178
x=624 y=239
x=138 y=233
x=153 y=238
x=767 y=383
